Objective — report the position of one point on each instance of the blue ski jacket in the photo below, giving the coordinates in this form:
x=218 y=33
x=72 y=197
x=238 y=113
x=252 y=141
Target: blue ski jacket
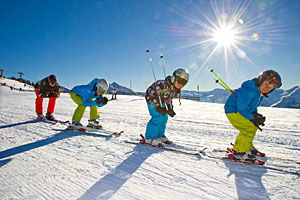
x=248 y=99
x=87 y=93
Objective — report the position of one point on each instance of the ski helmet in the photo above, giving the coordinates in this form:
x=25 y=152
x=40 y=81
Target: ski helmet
x=102 y=85
x=52 y=79
x=180 y=76
x=270 y=75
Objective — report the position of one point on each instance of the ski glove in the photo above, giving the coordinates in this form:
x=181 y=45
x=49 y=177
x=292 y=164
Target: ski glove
x=161 y=110
x=102 y=100
x=258 y=119
x=171 y=113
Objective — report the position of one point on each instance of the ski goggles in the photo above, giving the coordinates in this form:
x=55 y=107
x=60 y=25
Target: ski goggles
x=181 y=81
x=101 y=90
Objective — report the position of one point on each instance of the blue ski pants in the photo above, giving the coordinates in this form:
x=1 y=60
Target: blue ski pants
x=157 y=125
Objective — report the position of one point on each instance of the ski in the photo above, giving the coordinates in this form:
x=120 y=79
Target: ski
x=61 y=121
x=266 y=157
x=165 y=147
x=284 y=159
x=265 y=165
x=54 y=121
x=246 y=161
x=209 y=155
x=96 y=132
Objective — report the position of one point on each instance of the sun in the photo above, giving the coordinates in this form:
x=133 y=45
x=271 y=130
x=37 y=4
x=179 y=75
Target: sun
x=224 y=36
x=226 y=33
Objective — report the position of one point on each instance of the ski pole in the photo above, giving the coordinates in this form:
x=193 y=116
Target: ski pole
x=162 y=63
x=222 y=83
x=211 y=70
x=150 y=60
x=217 y=81
x=226 y=87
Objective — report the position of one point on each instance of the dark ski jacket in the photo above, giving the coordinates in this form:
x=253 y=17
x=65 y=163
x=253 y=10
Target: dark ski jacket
x=163 y=89
x=45 y=90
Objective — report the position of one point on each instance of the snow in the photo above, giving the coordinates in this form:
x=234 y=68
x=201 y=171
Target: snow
x=37 y=162
x=16 y=84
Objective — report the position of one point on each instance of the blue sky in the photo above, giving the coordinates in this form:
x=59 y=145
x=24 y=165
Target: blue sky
x=81 y=40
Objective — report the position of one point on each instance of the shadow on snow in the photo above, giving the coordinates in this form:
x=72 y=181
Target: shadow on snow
x=113 y=181
x=4 y=162
x=27 y=147
x=248 y=179
x=20 y=123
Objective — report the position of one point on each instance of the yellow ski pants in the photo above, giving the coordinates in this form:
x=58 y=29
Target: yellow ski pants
x=243 y=142
x=80 y=109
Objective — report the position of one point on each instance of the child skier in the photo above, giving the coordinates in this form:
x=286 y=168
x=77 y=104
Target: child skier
x=241 y=111
x=46 y=88
x=89 y=96
x=159 y=101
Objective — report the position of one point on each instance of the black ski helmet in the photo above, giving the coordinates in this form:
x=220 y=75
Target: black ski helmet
x=181 y=76
x=270 y=75
x=52 y=79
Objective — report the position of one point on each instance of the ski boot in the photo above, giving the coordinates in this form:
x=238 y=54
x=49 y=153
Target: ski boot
x=156 y=142
x=76 y=126
x=254 y=151
x=93 y=123
x=41 y=117
x=50 y=117
x=165 y=140
x=247 y=157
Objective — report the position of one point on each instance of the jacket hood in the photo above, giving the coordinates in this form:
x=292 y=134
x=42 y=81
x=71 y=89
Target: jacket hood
x=250 y=84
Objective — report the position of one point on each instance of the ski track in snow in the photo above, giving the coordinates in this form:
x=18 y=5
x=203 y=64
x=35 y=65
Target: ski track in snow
x=37 y=162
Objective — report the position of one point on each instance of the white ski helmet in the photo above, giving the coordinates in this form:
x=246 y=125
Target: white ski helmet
x=103 y=84
x=181 y=76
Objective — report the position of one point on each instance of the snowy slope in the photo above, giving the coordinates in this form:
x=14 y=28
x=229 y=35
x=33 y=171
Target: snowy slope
x=16 y=84
x=37 y=162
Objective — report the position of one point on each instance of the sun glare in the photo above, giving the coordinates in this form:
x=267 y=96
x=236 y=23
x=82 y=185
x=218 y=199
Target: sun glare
x=224 y=36
x=227 y=31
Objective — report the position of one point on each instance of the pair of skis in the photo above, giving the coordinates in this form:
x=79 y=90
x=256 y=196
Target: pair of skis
x=169 y=147
x=213 y=154
x=99 y=131
x=172 y=147
x=268 y=157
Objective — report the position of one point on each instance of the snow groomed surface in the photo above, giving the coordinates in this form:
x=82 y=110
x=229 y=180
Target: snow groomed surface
x=37 y=162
